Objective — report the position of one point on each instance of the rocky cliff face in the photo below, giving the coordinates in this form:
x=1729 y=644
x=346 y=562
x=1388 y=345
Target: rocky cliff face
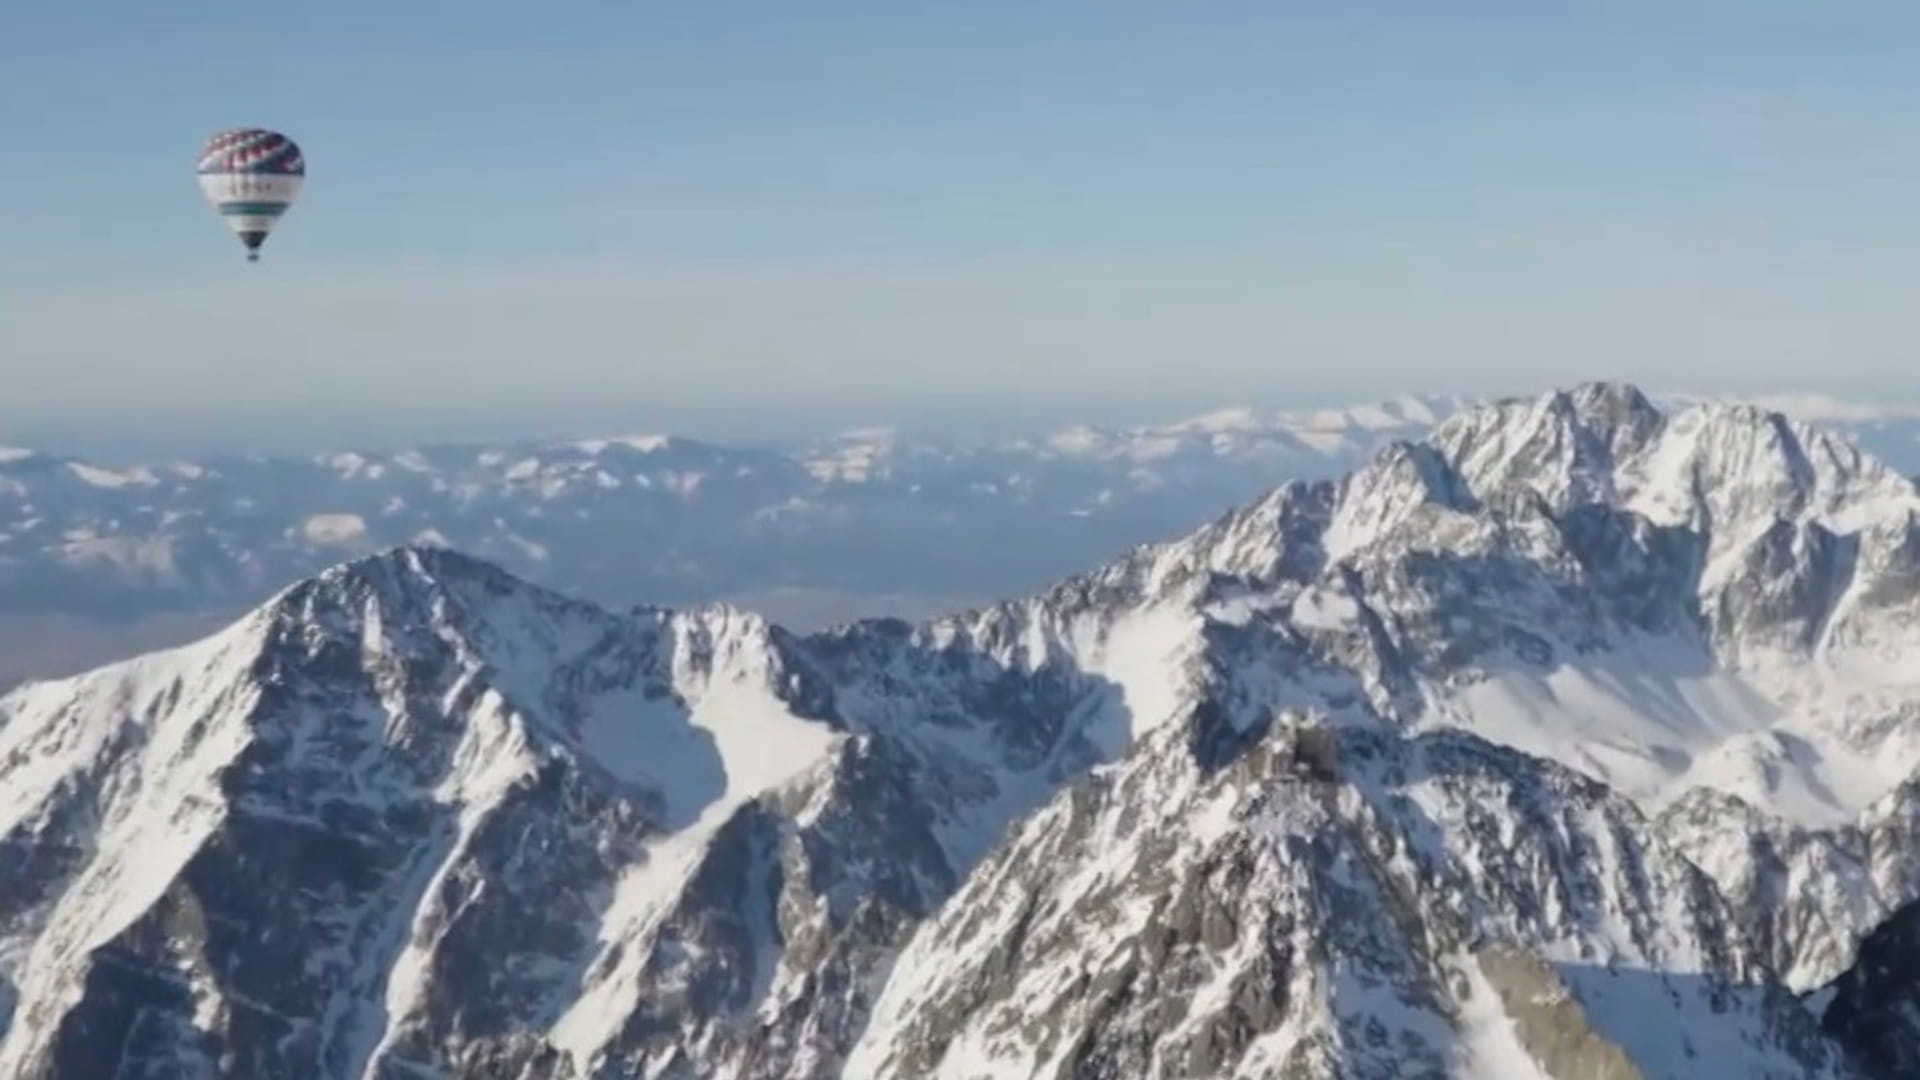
x=1569 y=743
x=1874 y=1009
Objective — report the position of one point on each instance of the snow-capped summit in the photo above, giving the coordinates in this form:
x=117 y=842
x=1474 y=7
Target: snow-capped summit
x=1706 y=466
x=1742 y=577
x=1561 y=743
x=380 y=778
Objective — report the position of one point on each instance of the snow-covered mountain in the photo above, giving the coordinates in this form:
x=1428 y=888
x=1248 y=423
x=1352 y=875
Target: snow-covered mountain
x=1888 y=429
x=1570 y=741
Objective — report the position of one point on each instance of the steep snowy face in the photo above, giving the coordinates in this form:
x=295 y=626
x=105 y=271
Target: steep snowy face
x=417 y=815
x=1714 y=597
x=401 y=815
x=1337 y=904
x=1804 y=540
x=420 y=818
x=1707 y=606
x=1805 y=896
x=1710 y=465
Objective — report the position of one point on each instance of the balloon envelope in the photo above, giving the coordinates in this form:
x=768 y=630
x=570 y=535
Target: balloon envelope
x=251 y=176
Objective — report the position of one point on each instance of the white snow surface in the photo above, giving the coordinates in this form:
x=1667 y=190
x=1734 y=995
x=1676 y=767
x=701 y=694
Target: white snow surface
x=111 y=478
x=1489 y=1045
x=335 y=530
x=758 y=746
x=1650 y=721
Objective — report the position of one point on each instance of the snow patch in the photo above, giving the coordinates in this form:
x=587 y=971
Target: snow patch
x=763 y=747
x=1656 y=719
x=1081 y=441
x=492 y=756
x=645 y=444
x=334 y=530
x=1321 y=608
x=1222 y=421
x=1489 y=1044
x=1144 y=653
x=111 y=478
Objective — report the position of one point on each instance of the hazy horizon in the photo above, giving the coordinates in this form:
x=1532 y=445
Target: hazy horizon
x=981 y=418
x=109 y=438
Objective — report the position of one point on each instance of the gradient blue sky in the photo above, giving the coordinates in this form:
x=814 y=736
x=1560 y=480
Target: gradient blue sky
x=740 y=217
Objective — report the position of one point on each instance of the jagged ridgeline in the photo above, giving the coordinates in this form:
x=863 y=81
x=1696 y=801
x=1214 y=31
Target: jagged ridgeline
x=1572 y=741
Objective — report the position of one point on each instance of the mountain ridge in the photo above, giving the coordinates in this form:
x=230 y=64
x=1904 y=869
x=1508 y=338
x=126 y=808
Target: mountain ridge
x=1257 y=799
x=98 y=560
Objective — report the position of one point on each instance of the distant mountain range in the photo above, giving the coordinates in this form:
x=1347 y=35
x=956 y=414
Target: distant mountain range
x=1576 y=739
x=671 y=520
x=654 y=518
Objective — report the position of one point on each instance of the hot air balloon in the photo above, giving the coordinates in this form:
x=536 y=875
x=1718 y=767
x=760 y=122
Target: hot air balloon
x=251 y=175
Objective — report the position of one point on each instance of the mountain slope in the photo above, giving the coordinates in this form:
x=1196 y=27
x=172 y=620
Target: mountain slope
x=272 y=870
x=426 y=845
x=1804 y=894
x=1513 y=751
x=1351 y=905
x=416 y=814
x=1665 y=600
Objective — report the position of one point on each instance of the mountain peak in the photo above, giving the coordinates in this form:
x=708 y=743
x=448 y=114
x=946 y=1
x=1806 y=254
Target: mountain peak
x=422 y=562
x=415 y=589
x=421 y=748
x=1718 y=463
x=1738 y=568
x=1620 y=400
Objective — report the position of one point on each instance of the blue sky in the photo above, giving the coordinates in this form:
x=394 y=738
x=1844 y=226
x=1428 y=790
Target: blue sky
x=742 y=217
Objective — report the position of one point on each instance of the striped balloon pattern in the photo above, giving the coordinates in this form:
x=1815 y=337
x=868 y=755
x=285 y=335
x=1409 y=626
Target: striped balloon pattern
x=251 y=176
